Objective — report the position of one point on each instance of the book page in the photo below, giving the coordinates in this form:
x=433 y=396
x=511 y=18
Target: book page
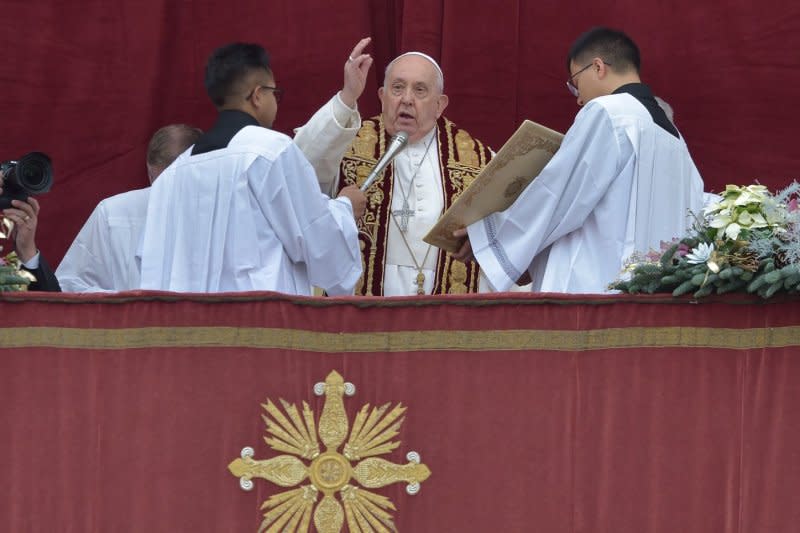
x=512 y=169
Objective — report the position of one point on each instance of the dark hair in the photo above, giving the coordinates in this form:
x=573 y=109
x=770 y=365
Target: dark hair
x=169 y=142
x=229 y=65
x=612 y=46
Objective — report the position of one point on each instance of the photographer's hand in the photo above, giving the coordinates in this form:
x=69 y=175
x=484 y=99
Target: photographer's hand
x=25 y=216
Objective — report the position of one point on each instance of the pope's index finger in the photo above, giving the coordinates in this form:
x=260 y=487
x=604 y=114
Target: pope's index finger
x=359 y=48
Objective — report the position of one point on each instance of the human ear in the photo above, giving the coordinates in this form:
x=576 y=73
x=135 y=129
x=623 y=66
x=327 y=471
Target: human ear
x=443 y=100
x=600 y=68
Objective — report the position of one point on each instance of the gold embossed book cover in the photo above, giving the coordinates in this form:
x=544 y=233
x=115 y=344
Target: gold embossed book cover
x=514 y=167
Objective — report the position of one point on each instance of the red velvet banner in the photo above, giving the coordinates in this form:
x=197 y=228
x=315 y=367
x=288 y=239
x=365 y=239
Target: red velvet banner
x=546 y=413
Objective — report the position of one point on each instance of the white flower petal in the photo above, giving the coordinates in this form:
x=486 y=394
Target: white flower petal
x=732 y=231
x=700 y=254
x=744 y=219
x=720 y=221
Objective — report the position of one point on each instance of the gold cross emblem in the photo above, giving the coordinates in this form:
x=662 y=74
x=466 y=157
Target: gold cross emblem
x=330 y=472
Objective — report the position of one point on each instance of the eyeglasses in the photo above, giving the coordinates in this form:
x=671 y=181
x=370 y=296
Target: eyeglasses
x=571 y=86
x=275 y=90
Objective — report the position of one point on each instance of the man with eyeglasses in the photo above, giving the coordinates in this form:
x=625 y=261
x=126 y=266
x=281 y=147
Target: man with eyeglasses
x=622 y=182
x=243 y=210
x=439 y=162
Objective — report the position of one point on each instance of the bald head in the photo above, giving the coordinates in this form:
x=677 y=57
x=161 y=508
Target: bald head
x=167 y=144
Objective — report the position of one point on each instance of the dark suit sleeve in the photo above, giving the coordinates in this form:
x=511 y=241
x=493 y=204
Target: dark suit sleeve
x=45 y=277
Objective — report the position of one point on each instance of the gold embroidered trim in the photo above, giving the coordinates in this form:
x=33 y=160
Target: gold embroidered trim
x=461 y=158
x=399 y=341
x=331 y=471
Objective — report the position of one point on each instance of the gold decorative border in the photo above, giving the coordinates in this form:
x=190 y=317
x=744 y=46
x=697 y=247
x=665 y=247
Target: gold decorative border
x=400 y=341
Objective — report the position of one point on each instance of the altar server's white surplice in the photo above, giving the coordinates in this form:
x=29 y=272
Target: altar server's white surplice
x=249 y=216
x=618 y=184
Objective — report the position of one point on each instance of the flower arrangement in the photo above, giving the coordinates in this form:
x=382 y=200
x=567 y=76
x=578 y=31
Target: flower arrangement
x=748 y=241
x=12 y=276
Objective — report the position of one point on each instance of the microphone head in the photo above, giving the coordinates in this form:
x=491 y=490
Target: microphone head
x=396 y=143
x=401 y=137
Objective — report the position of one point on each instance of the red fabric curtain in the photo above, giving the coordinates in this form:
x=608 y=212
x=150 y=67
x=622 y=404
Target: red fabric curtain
x=558 y=414
x=88 y=82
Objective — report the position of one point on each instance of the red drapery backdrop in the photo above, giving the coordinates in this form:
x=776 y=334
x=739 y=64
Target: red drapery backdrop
x=89 y=82
x=534 y=413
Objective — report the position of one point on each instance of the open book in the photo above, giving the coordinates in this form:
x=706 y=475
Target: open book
x=512 y=169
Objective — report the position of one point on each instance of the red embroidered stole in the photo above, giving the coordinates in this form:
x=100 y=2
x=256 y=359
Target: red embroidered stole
x=461 y=157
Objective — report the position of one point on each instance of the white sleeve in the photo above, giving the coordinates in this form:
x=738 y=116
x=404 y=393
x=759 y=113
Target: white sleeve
x=325 y=138
x=556 y=203
x=84 y=266
x=313 y=228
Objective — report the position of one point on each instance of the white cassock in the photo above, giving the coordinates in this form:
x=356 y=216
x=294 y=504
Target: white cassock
x=102 y=258
x=618 y=184
x=249 y=216
x=324 y=140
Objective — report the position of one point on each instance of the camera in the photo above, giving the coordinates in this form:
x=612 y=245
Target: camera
x=31 y=175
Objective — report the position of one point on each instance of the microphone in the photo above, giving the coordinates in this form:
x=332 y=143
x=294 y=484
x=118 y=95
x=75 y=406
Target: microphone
x=396 y=144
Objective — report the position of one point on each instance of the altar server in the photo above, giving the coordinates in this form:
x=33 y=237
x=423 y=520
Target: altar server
x=622 y=181
x=243 y=210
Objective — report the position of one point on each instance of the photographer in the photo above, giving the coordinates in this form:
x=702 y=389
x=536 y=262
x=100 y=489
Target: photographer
x=24 y=215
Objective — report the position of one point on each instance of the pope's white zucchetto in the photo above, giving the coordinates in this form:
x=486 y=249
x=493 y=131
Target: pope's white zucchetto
x=423 y=55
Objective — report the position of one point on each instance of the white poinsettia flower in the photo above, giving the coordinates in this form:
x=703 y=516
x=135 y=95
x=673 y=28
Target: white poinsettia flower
x=700 y=253
x=745 y=198
x=745 y=208
x=720 y=221
x=732 y=231
x=744 y=219
x=752 y=194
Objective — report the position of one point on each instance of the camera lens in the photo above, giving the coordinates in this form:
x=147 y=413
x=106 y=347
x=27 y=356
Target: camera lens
x=34 y=173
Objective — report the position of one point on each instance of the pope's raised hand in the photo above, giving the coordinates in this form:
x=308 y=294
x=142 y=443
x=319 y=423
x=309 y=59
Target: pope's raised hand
x=356 y=69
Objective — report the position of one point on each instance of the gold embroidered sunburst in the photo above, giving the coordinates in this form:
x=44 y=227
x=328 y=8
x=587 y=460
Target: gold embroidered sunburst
x=330 y=472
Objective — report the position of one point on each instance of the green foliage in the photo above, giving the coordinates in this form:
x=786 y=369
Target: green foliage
x=10 y=280
x=749 y=241
x=680 y=277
